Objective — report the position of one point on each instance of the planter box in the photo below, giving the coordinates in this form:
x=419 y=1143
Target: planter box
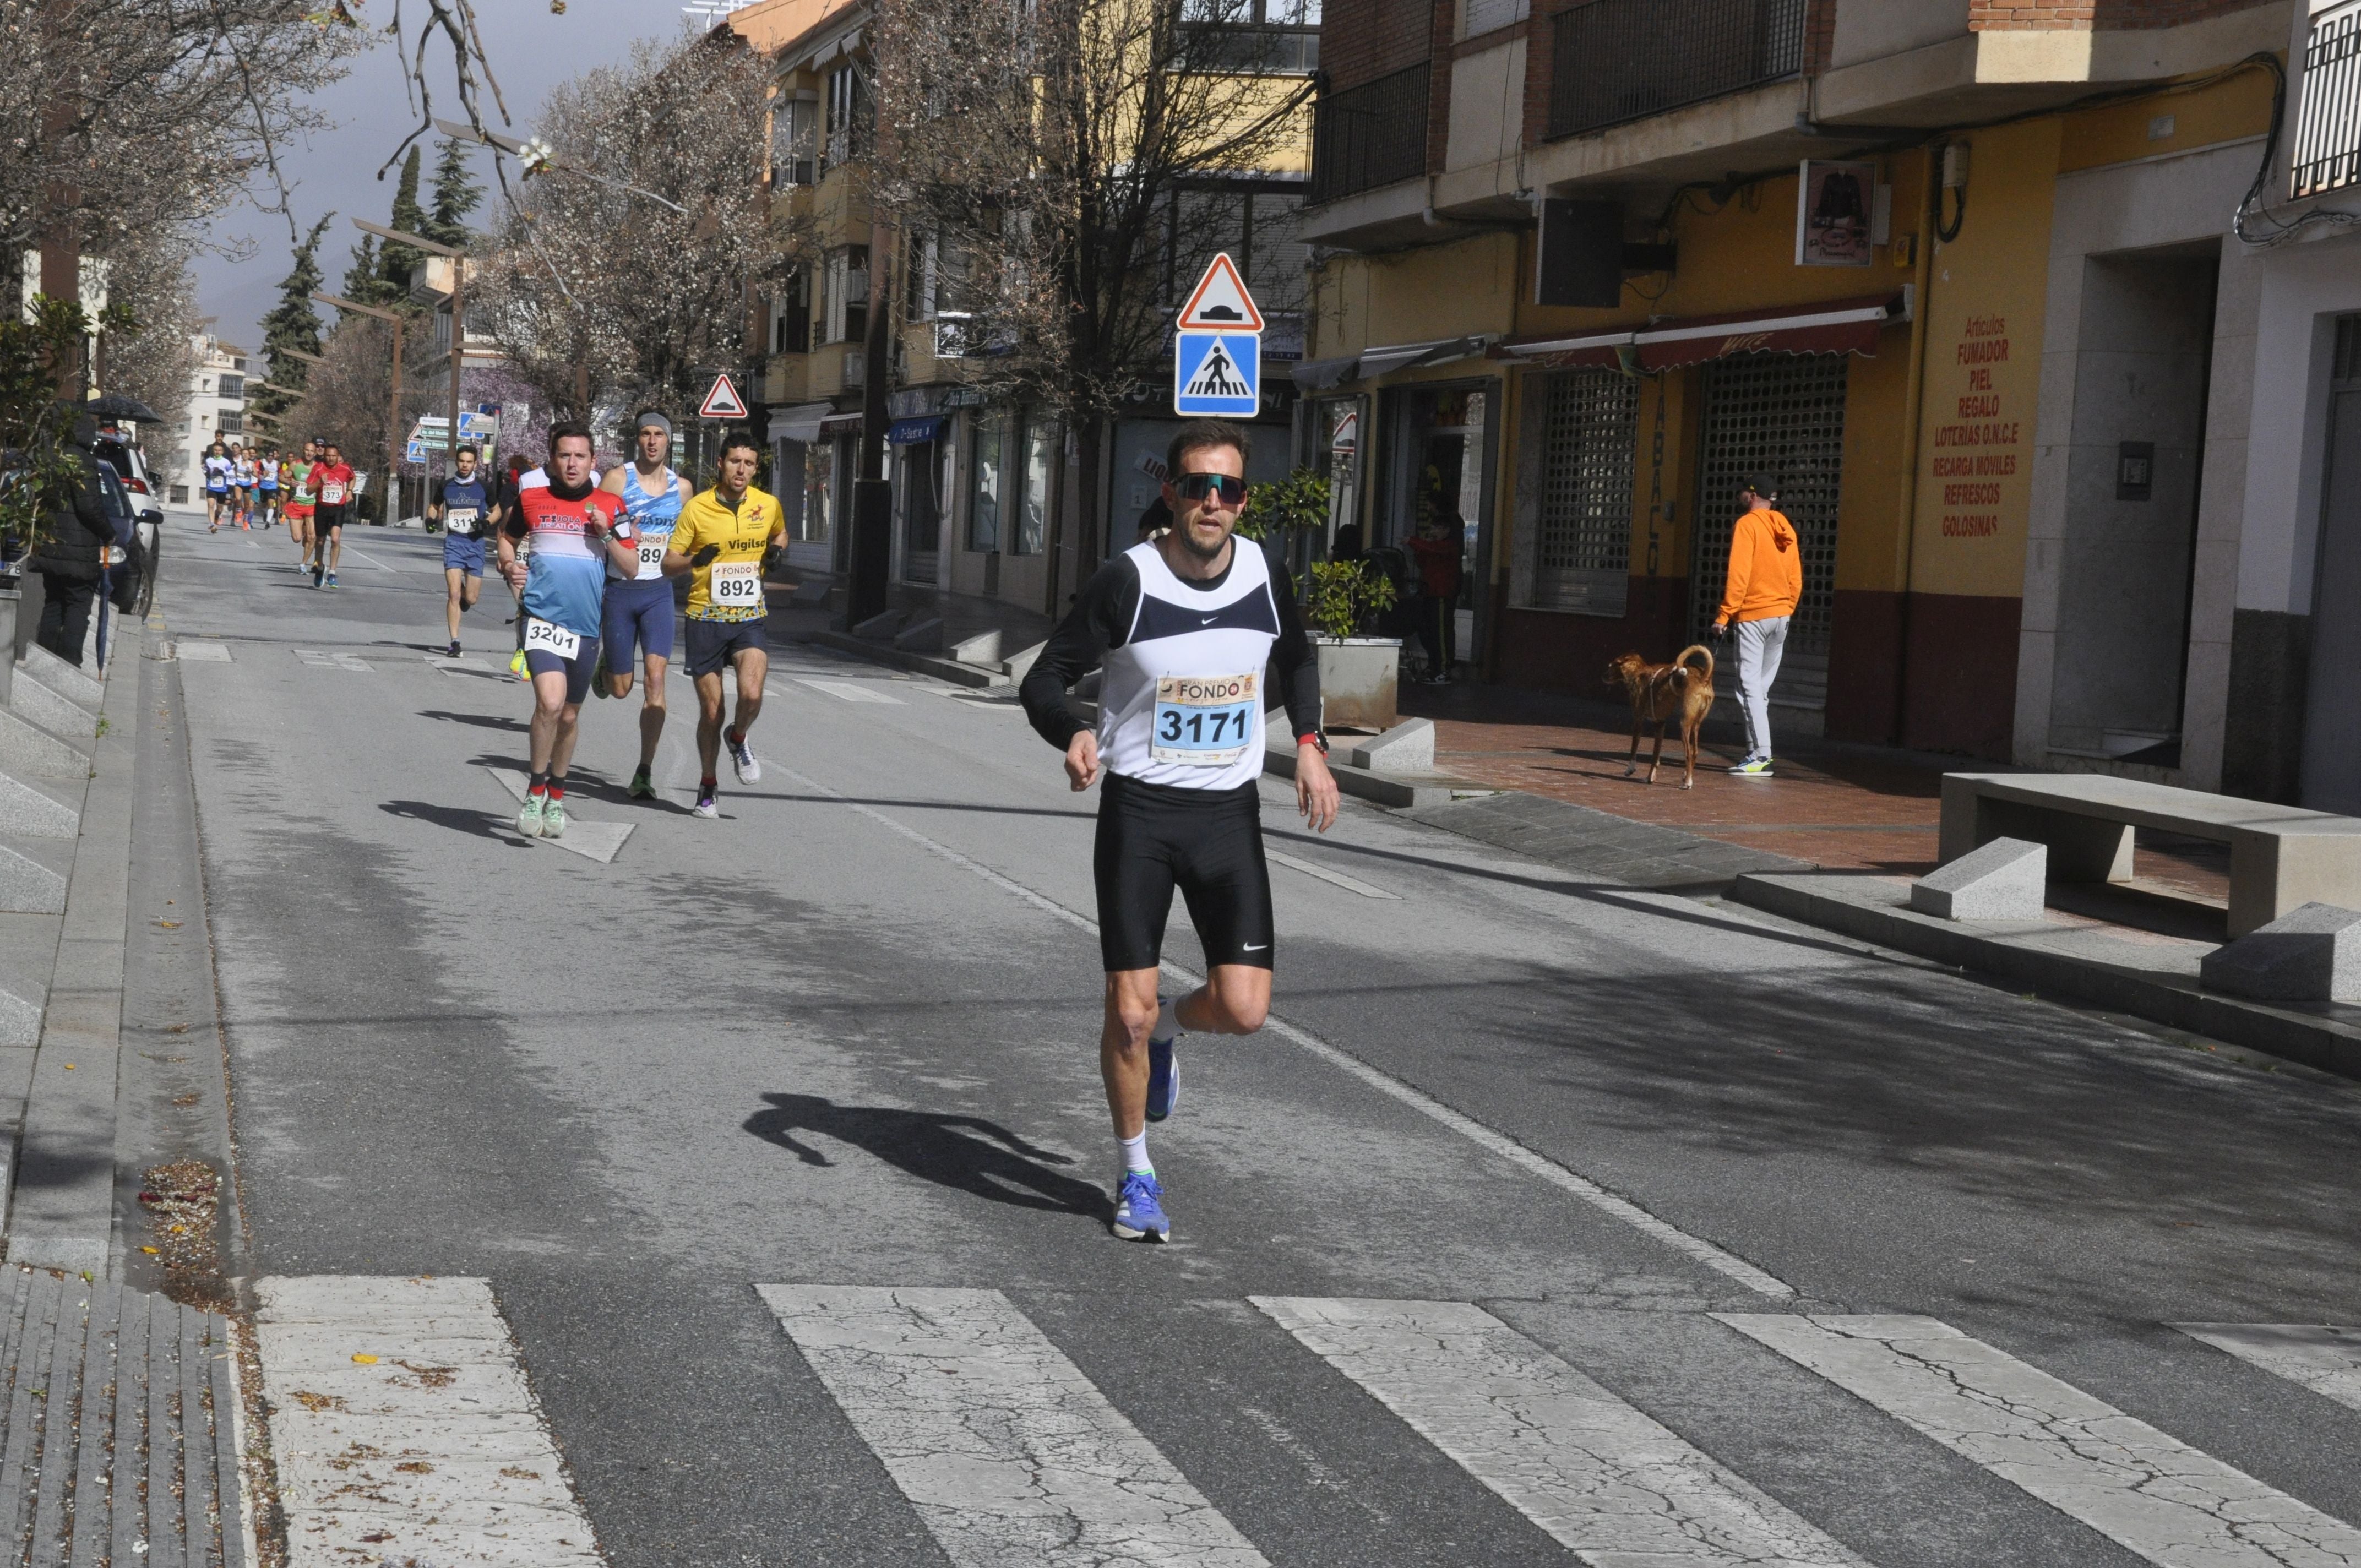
x=1358 y=682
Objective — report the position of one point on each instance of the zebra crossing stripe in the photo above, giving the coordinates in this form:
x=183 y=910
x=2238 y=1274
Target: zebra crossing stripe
x=1007 y=1451
x=405 y=1432
x=2151 y=1493
x=2321 y=1356
x=1599 y=1477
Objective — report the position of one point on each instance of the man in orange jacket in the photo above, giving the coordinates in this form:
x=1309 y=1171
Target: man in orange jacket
x=1766 y=580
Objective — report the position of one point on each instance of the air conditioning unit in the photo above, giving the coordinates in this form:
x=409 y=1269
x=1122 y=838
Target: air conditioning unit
x=856 y=368
x=856 y=285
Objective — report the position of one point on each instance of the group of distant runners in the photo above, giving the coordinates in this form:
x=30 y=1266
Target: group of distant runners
x=592 y=560
x=1186 y=627
x=312 y=491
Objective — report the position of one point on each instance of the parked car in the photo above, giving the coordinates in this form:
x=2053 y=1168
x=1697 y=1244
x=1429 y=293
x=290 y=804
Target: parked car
x=131 y=468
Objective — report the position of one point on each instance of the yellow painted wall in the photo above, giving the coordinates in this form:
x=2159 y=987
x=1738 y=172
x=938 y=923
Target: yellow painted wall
x=1415 y=296
x=2239 y=106
x=1984 y=309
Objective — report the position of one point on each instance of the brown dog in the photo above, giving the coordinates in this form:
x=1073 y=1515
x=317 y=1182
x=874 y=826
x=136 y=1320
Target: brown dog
x=1658 y=692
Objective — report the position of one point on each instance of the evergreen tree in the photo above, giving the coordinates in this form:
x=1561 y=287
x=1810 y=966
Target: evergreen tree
x=292 y=324
x=364 y=282
x=396 y=262
x=456 y=195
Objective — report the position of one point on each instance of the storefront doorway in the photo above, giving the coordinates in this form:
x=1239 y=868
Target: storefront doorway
x=2332 y=728
x=1440 y=462
x=1780 y=415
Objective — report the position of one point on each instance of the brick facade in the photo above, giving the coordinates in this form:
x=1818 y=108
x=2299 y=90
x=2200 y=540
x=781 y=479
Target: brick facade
x=1361 y=40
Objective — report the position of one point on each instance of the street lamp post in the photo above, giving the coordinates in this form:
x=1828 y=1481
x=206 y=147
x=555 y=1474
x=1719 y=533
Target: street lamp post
x=393 y=410
x=458 y=259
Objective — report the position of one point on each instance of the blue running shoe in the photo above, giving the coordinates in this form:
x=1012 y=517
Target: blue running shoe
x=1163 y=1080
x=1139 y=1208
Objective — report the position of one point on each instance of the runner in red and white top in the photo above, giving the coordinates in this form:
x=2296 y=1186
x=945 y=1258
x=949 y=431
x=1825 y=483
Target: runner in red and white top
x=332 y=482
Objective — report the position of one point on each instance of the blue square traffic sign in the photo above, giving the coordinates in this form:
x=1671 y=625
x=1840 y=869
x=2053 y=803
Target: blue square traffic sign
x=1218 y=373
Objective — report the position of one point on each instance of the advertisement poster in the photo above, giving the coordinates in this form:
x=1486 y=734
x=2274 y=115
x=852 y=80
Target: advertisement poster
x=1833 y=212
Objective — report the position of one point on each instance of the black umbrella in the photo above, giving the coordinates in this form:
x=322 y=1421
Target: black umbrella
x=115 y=405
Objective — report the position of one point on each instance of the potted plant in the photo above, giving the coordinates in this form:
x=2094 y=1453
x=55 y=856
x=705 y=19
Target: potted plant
x=1358 y=673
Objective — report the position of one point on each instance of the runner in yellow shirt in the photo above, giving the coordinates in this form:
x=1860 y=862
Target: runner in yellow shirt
x=720 y=540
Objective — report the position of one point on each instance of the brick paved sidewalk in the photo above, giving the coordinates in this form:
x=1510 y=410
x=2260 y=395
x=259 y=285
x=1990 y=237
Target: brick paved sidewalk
x=1842 y=807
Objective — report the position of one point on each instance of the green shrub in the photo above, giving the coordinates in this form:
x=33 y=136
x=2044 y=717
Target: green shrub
x=1346 y=597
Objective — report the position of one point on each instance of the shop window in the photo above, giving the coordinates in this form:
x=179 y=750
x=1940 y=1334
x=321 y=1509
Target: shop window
x=1582 y=544
x=815 y=463
x=1033 y=514
x=987 y=482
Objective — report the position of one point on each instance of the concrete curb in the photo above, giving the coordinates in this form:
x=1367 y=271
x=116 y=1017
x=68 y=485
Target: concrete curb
x=933 y=664
x=2015 y=951
x=61 y=1208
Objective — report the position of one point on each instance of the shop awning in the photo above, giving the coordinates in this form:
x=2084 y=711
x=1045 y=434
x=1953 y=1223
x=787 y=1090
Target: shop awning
x=800 y=422
x=1835 y=326
x=1314 y=375
x=910 y=432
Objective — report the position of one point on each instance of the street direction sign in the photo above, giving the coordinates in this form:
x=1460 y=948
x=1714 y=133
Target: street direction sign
x=1219 y=302
x=722 y=402
x=1218 y=373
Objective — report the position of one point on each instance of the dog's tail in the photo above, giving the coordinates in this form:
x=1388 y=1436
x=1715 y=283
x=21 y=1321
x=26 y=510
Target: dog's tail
x=1681 y=667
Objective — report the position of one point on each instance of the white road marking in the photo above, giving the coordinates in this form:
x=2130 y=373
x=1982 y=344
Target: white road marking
x=320 y=661
x=462 y=665
x=380 y=565
x=596 y=842
x=202 y=652
x=1010 y=1456
x=434 y=1451
x=2321 y=1356
x=849 y=691
x=2142 y=1488
x=1600 y=1477
x=1334 y=879
x=1492 y=1142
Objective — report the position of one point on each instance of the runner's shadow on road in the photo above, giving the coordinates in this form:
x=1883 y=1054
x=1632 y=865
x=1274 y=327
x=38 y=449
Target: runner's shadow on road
x=482 y=824
x=967 y=1153
x=481 y=720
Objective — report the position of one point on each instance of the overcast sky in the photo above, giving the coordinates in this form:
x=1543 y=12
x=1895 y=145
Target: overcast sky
x=532 y=52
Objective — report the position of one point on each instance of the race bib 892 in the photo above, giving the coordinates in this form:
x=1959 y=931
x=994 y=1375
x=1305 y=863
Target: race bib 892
x=736 y=585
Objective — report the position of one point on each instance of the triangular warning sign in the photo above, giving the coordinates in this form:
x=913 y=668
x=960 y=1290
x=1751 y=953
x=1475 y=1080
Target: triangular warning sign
x=1219 y=302
x=722 y=402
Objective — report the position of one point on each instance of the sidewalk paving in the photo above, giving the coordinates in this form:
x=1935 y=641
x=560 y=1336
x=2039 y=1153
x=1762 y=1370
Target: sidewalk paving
x=1838 y=807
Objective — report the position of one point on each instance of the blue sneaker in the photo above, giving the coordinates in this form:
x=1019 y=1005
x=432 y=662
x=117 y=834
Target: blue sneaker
x=1163 y=1078
x=1139 y=1208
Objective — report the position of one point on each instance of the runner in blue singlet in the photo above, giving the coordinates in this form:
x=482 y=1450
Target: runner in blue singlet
x=639 y=608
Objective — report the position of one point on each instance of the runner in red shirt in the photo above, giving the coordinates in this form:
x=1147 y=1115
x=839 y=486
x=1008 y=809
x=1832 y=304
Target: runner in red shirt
x=332 y=482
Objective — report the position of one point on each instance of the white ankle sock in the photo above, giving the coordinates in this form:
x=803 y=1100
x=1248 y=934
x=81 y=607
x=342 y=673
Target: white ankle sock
x=1134 y=1154
x=1167 y=1021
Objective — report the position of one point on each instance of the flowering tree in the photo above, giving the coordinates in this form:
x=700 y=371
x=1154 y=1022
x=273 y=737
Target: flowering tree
x=591 y=276
x=1048 y=151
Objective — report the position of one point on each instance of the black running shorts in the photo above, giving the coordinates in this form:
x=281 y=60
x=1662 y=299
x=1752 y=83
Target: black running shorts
x=1208 y=843
x=714 y=643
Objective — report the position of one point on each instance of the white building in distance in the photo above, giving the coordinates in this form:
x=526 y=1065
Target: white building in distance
x=216 y=412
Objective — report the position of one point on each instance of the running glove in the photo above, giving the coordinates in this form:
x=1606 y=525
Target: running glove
x=705 y=556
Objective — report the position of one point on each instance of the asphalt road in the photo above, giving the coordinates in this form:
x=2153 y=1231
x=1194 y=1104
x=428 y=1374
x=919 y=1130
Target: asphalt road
x=845 y=1038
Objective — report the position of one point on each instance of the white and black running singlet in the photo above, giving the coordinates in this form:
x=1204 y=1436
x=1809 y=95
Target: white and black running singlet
x=1181 y=710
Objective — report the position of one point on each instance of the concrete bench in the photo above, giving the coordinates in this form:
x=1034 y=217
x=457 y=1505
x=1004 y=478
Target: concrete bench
x=2281 y=857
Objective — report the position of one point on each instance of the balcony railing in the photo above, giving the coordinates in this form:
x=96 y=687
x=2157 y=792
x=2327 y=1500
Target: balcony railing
x=2328 y=126
x=1613 y=61
x=1369 y=136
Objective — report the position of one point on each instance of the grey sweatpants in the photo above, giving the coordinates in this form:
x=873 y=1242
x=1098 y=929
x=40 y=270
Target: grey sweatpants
x=1760 y=646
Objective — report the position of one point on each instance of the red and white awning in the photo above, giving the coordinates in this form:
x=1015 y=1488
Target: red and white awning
x=1837 y=327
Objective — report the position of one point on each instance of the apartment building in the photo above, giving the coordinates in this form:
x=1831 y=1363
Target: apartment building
x=1958 y=276
x=216 y=412
x=987 y=495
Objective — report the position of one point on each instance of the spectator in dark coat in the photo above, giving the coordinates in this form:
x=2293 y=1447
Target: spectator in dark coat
x=71 y=553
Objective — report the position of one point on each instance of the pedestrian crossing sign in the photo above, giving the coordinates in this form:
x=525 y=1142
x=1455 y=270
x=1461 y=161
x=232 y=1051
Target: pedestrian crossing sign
x=1216 y=373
